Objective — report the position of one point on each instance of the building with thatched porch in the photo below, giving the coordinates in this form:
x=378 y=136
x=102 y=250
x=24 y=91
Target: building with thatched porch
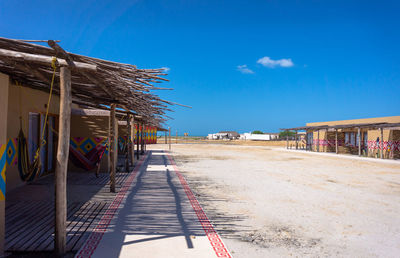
x=370 y=137
x=60 y=113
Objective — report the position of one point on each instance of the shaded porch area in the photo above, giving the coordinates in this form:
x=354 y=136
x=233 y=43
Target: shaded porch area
x=30 y=211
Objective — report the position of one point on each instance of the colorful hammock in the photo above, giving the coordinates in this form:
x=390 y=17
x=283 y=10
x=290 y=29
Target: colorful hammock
x=27 y=171
x=89 y=160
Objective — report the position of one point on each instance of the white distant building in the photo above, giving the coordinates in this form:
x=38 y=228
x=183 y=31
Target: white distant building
x=223 y=135
x=259 y=137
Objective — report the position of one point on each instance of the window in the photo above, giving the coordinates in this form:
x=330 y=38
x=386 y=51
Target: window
x=350 y=138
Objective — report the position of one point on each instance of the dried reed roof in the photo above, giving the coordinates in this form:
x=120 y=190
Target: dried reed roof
x=95 y=82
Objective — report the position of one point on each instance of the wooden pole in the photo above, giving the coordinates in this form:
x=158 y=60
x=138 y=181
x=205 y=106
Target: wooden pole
x=142 y=140
x=113 y=146
x=318 y=142
x=336 y=141
x=165 y=134
x=359 y=141
x=128 y=142
x=326 y=139
x=287 y=139
x=137 y=141
x=132 y=149
x=381 y=143
x=45 y=60
x=169 y=128
x=307 y=138
x=62 y=162
x=145 y=139
x=296 y=140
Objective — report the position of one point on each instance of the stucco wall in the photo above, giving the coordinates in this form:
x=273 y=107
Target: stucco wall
x=90 y=126
x=21 y=101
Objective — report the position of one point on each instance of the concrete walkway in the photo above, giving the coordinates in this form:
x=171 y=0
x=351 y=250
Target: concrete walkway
x=154 y=215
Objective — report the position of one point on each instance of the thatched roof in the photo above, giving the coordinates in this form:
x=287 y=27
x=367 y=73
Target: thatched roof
x=95 y=82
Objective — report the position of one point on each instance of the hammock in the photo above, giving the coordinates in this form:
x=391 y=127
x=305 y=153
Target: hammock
x=89 y=160
x=27 y=171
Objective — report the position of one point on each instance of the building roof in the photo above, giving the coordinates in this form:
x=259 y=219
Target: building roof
x=95 y=82
x=345 y=126
x=387 y=119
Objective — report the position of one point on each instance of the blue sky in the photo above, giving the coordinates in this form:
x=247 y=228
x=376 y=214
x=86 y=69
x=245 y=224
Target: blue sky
x=242 y=65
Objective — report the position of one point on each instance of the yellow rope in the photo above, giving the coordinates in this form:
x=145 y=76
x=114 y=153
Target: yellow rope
x=42 y=140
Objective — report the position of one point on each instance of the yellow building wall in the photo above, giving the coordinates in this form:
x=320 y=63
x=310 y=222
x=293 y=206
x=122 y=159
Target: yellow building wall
x=90 y=127
x=21 y=101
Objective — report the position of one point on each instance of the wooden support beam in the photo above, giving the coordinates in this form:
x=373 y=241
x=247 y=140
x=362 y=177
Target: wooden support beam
x=145 y=139
x=62 y=162
x=287 y=139
x=169 y=128
x=128 y=142
x=318 y=142
x=296 y=140
x=132 y=148
x=336 y=141
x=381 y=143
x=359 y=141
x=113 y=147
x=61 y=53
x=142 y=140
x=137 y=141
x=41 y=59
x=326 y=138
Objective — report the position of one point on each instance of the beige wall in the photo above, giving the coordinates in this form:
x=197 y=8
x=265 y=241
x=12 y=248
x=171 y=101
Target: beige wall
x=90 y=126
x=21 y=101
x=35 y=101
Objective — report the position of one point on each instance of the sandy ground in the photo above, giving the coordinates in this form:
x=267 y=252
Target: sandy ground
x=268 y=202
x=192 y=140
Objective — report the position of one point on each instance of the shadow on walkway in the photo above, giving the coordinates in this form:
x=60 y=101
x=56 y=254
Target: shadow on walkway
x=156 y=206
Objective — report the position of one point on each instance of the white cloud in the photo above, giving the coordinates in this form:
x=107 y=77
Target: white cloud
x=268 y=62
x=166 y=69
x=244 y=69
